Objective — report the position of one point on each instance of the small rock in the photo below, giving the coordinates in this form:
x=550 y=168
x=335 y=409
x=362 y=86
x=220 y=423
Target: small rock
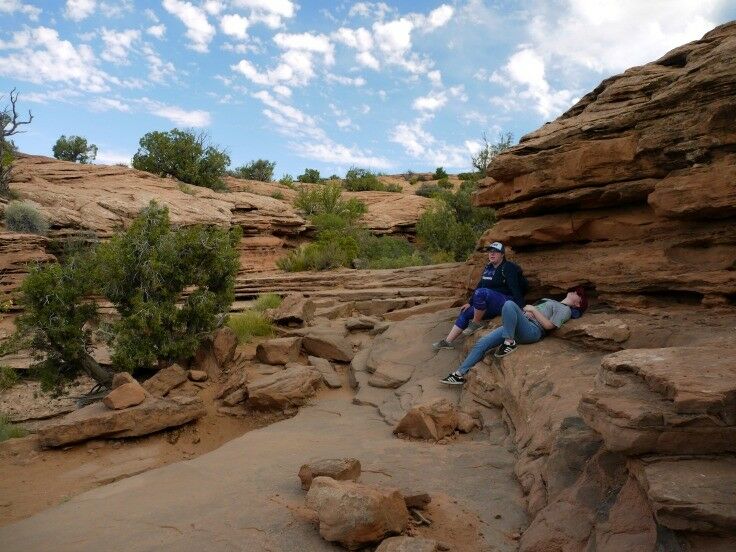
x=356 y=515
x=237 y=396
x=285 y=389
x=197 y=375
x=342 y=469
x=433 y=420
x=294 y=308
x=124 y=396
x=467 y=423
x=361 y=323
x=236 y=380
x=165 y=380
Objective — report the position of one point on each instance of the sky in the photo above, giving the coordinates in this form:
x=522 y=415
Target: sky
x=391 y=87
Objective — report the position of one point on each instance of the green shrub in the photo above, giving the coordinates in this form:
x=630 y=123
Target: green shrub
x=260 y=169
x=74 y=149
x=8 y=377
x=144 y=273
x=267 y=301
x=468 y=176
x=488 y=151
x=186 y=156
x=23 y=217
x=440 y=173
x=362 y=180
x=185 y=188
x=327 y=200
x=310 y=176
x=249 y=324
x=8 y=430
x=320 y=255
x=57 y=315
x=278 y=195
x=287 y=180
x=445 y=183
x=428 y=190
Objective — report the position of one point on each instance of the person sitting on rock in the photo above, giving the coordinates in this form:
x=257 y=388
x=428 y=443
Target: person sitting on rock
x=501 y=281
x=527 y=325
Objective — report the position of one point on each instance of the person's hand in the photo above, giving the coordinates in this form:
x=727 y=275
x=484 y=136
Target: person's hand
x=465 y=306
x=529 y=308
x=529 y=314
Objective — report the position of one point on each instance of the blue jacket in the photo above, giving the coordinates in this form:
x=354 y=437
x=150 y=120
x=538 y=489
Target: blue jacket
x=505 y=279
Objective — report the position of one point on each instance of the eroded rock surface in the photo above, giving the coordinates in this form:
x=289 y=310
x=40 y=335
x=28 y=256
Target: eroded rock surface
x=285 y=389
x=342 y=469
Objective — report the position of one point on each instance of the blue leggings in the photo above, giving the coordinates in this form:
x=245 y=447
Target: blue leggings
x=483 y=299
x=515 y=326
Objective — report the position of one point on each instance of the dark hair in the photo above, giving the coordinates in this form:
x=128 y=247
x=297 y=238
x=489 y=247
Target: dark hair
x=580 y=290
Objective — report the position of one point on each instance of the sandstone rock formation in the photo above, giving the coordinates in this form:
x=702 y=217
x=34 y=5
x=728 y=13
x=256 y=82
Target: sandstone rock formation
x=96 y=420
x=434 y=420
x=280 y=350
x=341 y=469
x=125 y=395
x=356 y=515
x=165 y=380
x=631 y=184
x=326 y=342
x=409 y=544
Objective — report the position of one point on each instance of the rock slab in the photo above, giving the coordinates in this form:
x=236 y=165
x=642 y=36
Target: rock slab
x=285 y=389
x=165 y=380
x=281 y=350
x=409 y=544
x=124 y=396
x=96 y=420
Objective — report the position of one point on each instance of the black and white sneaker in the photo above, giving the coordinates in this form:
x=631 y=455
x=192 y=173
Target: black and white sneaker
x=453 y=379
x=505 y=349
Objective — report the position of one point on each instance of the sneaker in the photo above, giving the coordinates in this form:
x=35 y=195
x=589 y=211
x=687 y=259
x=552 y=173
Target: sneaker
x=472 y=328
x=505 y=349
x=452 y=379
x=443 y=344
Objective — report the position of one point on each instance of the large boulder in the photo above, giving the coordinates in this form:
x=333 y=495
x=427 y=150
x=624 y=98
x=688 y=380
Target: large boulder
x=432 y=420
x=224 y=343
x=285 y=389
x=281 y=350
x=165 y=380
x=342 y=469
x=356 y=515
x=329 y=375
x=294 y=309
x=96 y=420
x=326 y=342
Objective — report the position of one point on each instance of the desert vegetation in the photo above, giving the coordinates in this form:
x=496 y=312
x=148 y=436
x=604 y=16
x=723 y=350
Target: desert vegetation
x=183 y=155
x=170 y=287
x=75 y=149
x=23 y=217
x=10 y=124
x=254 y=322
x=259 y=169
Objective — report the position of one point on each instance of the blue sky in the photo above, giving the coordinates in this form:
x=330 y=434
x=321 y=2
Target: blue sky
x=394 y=86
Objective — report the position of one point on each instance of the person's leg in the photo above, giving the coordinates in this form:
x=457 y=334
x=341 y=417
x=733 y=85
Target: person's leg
x=516 y=326
x=461 y=323
x=485 y=343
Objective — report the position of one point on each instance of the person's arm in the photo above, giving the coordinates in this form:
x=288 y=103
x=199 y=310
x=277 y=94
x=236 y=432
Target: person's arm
x=546 y=323
x=514 y=284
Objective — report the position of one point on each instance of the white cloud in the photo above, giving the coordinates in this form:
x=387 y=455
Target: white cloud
x=376 y=10
x=344 y=123
x=439 y=17
x=420 y=144
x=158 y=69
x=213 y=7
x=235 y=25
x=359 y=39
x=12 y=6
x=608 y=37
x=118 y=44
x=368 y=59
x=157 y=31
x=150 y=14
x=64 y=95
x=435 y=77
x=116 y=8
x=111 y=157
x=346 y=81
x=40 y=56
x=394 y=37
x=282 y=90
x=107 y=104
x=431 y=102
x=177 y=115
x=77 y=10
x=526 y=68
x=269 y=12
x=199 y=30
x=329 y=151
x=307 y=42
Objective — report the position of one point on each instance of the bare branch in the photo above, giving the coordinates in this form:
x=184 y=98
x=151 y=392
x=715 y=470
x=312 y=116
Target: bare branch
x=9 y=116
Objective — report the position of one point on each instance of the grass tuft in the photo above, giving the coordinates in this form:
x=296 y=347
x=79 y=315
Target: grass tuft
x=267 y=301
x=249 y=324
x=8 y=430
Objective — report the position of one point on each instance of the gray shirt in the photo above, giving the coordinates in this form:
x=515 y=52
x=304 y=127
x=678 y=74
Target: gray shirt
x=556 y=312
